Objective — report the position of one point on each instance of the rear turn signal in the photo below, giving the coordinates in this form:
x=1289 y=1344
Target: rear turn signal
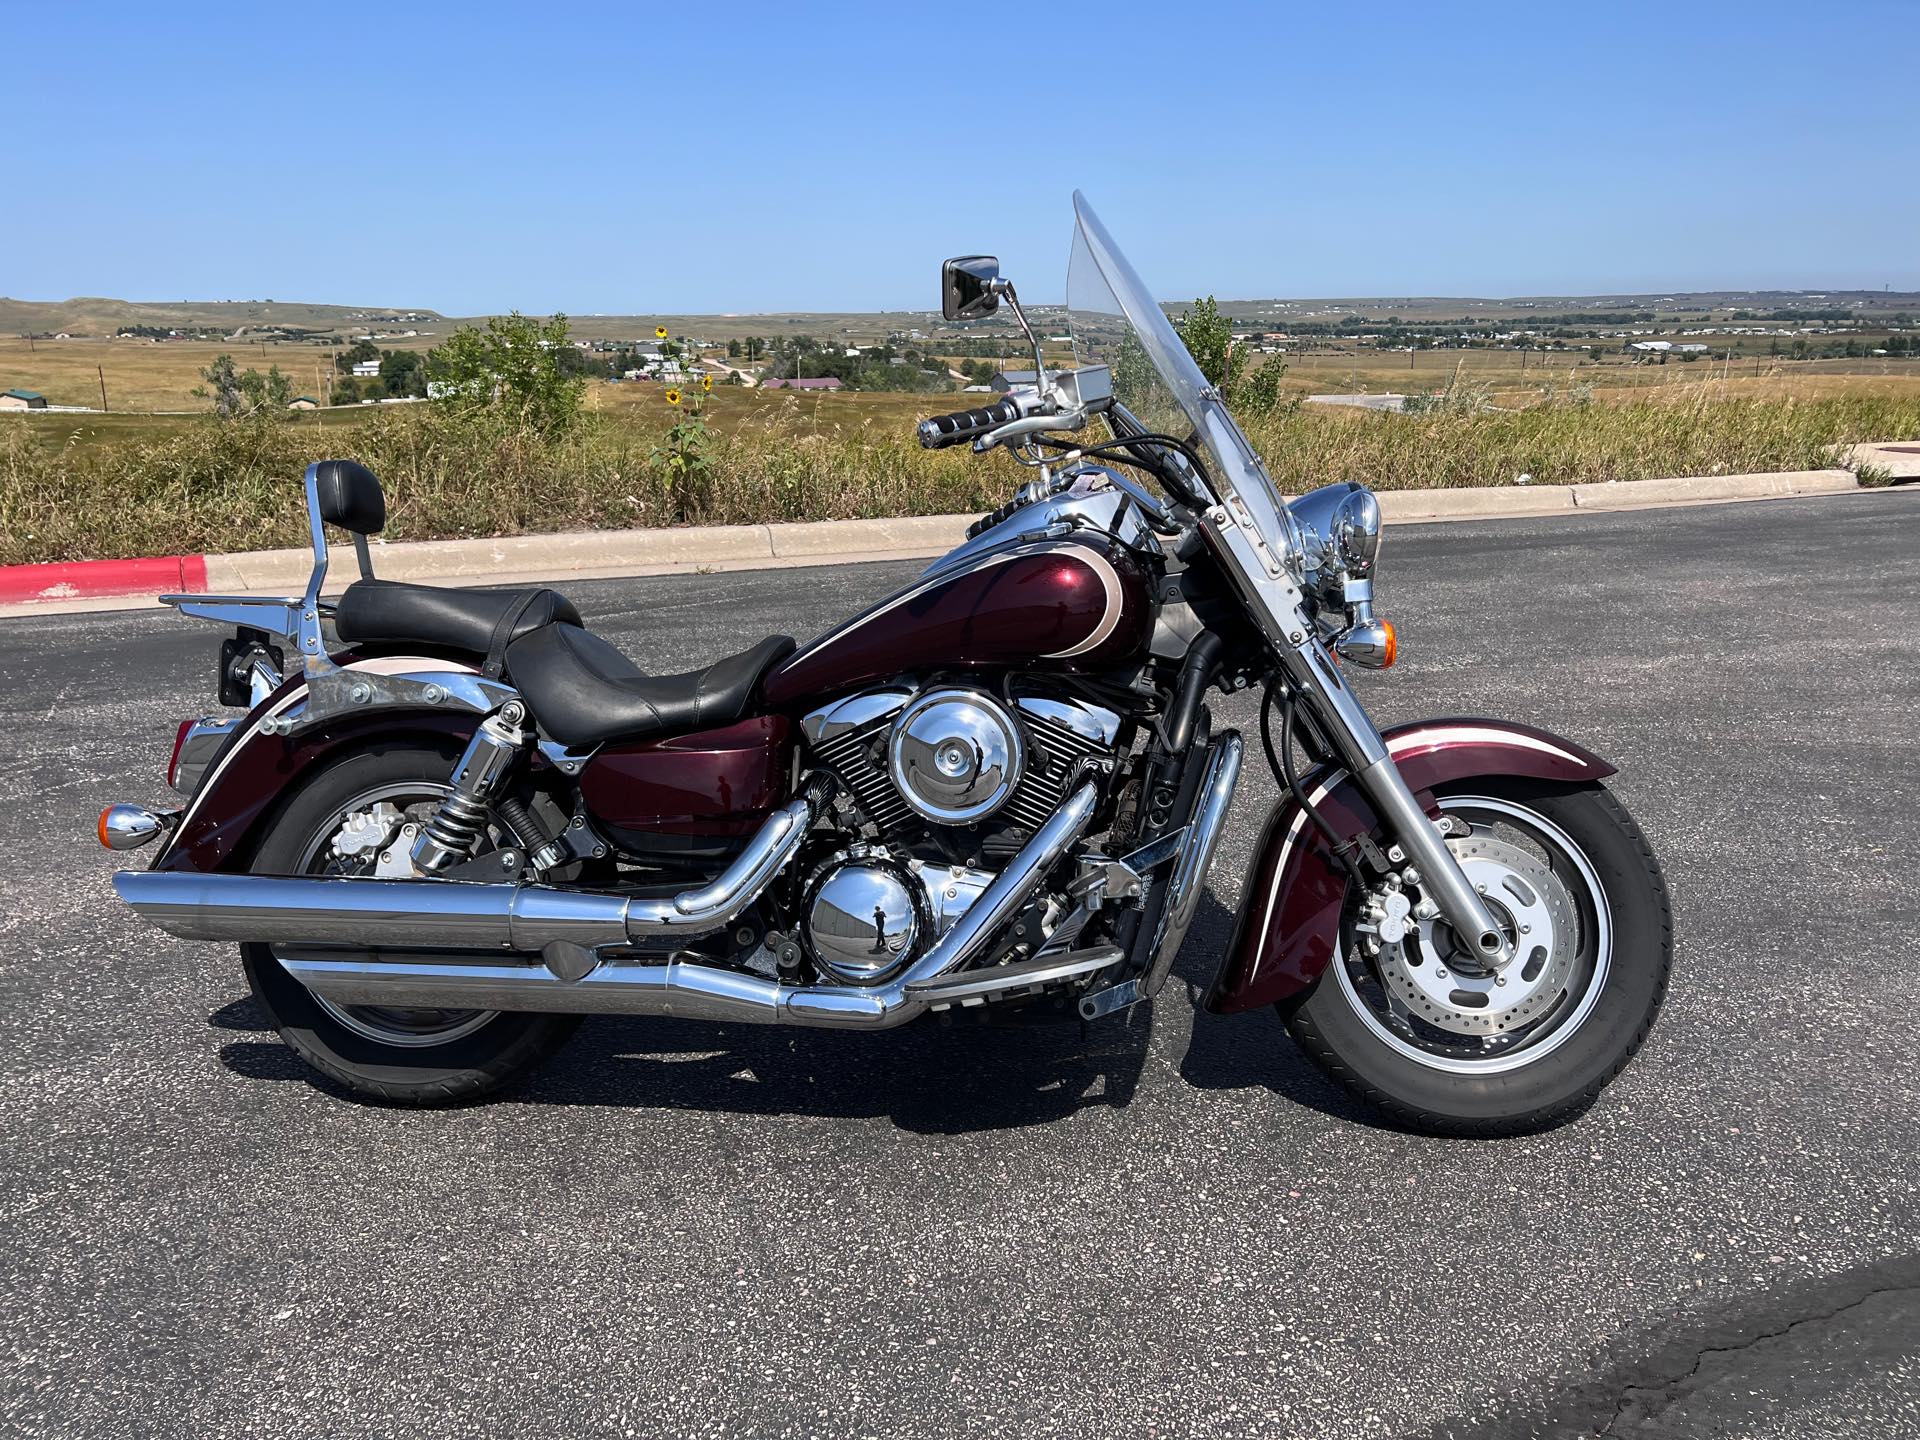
x=123 y=827
x=1371 y=644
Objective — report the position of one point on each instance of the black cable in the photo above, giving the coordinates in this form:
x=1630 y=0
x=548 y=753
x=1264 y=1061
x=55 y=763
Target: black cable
x=1282 y=764
x=1123 y=451
x=1127 y=442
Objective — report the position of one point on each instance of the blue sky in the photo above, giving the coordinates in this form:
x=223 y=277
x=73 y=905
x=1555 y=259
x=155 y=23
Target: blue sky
x=698 y=157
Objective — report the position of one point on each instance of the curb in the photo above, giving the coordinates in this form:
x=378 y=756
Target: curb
x=94 y=579
x=603 y=554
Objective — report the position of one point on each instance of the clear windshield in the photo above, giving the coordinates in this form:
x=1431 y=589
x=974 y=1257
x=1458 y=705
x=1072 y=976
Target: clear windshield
x=1116 y=321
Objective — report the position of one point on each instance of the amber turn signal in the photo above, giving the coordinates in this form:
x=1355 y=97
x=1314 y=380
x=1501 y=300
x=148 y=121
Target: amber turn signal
x=122 y=827
x=1371 y=644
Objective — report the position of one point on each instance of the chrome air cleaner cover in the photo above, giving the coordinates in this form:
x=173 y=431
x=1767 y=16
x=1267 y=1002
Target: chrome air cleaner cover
x=956 y=755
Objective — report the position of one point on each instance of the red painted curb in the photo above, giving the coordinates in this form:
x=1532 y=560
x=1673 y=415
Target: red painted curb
x=80 y=579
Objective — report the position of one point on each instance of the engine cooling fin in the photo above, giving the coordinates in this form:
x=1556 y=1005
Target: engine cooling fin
x=1055 y=752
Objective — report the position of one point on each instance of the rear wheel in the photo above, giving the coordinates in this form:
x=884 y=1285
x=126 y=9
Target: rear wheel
x=352 y=819
x=1409 y=1020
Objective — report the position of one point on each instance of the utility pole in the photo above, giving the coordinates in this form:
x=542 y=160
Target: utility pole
x=101 y=371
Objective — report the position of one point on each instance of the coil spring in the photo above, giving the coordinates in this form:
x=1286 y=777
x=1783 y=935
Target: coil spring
x=456 y=823
x=522 y=821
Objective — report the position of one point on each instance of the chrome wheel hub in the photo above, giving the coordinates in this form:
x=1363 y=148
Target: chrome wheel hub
x=1441 y=982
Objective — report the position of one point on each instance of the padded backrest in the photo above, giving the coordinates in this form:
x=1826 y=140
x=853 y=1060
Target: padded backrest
x=350 y=497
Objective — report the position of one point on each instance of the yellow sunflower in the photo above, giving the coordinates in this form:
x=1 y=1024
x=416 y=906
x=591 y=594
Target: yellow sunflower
x=659 y=332
x=706 y=382
x=673 y=397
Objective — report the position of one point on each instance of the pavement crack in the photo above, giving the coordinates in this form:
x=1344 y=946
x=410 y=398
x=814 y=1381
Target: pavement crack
x=1662 y=1391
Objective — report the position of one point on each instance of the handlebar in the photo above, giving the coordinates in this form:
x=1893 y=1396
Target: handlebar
x=940 y=431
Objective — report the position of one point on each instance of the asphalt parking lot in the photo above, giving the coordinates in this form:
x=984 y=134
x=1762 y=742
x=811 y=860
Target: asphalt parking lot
x=1171 y=1229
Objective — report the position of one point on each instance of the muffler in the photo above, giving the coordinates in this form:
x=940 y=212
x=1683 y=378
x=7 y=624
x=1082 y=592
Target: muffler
x=561 y=925
x=382 y=920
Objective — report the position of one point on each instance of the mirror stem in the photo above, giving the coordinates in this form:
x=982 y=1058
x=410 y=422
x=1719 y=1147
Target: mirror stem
x=1004 y=287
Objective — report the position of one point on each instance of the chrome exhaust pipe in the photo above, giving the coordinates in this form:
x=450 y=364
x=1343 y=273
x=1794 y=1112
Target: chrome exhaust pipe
x=566 y=927
x=683 y=988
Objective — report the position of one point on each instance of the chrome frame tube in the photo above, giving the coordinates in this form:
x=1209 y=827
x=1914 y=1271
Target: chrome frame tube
x=1189 y=879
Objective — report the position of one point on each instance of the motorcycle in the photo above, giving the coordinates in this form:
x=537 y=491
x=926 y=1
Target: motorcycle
x=457 y=821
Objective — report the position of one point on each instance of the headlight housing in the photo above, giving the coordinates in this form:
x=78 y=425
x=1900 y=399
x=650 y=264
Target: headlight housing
x=1340 y=540
x=1339 y=533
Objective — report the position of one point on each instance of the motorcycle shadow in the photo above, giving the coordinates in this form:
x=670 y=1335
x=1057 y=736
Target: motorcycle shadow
x=930 y=1078
x=1249 y=1051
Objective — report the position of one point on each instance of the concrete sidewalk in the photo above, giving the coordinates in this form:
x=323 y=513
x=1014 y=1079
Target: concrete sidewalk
x=607 y=554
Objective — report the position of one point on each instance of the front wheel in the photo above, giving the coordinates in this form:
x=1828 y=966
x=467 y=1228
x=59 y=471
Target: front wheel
x=352 y=819
x=1410 y=1021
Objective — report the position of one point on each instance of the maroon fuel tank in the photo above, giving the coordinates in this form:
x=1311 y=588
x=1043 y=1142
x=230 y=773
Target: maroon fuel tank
x=1077 y=604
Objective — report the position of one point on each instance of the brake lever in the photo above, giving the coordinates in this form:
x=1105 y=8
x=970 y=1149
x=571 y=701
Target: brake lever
x=1029 y=425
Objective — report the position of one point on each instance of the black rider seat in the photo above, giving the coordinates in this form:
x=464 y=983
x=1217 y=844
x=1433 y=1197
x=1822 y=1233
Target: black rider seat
x=480 y=622
x=585 y=692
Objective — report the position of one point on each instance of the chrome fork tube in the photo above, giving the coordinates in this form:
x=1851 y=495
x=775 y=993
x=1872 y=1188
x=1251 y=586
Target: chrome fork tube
x=1365 y=755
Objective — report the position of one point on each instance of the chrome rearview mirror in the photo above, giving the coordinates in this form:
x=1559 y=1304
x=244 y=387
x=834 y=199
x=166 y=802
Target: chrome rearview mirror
x=970 y=287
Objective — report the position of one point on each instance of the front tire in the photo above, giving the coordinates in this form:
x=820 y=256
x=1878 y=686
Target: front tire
x=393 y=1057
x=1584 y=880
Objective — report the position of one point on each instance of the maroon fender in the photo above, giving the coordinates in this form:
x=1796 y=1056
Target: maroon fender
x=1289 y=924
x=247 y=779
x=716 y=783
x=1080 y=603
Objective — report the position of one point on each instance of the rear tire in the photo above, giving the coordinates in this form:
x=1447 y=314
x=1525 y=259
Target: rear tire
x=478 y=1054
x=1355 y=1044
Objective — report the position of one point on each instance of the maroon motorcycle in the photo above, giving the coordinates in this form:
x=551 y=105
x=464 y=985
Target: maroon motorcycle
x=452 y=822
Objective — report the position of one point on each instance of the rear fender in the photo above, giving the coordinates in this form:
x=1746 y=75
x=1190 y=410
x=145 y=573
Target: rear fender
x=254 y=770
x=1289 y=924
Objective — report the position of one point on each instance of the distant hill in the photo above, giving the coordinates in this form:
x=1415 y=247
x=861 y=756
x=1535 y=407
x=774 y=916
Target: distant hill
x=219 y=319
x=93 y=315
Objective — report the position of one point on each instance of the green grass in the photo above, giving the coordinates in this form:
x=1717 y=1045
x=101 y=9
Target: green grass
x=74 y=487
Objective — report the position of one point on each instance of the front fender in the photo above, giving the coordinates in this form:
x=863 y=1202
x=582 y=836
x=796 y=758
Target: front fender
x=253 y=770
x=1289 y=924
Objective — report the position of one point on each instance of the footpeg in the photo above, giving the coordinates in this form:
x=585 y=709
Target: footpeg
x=1114 y=997
x=977 y=987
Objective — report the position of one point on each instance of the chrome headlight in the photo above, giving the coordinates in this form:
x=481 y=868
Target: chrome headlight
x=1340 y=540
x=1339 y=527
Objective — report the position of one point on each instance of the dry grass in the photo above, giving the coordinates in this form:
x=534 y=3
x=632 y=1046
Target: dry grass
x=145 y=376
x=76 y=487
x=1682 y=431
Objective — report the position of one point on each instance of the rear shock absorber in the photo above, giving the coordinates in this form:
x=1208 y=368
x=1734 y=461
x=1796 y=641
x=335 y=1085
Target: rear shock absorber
x=449 y=833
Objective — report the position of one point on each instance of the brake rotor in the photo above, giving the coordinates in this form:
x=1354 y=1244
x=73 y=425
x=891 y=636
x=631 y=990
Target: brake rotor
x=1536 y=912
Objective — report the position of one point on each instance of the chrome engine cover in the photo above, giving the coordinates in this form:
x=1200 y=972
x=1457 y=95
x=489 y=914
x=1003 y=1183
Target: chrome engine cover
x=956 y=755
x=865 y=915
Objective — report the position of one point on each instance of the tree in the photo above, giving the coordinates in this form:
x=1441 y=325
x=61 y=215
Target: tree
x=1208 y=336
x=403 y=372
x=1209 y=339
x=240 y=394
x=733 y=349
x=512 y=362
